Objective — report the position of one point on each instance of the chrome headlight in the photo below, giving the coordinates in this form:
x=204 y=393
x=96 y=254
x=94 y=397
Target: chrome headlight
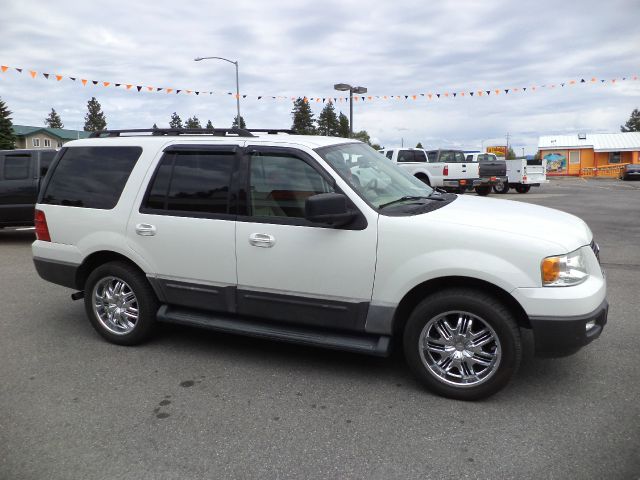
x=564 y=270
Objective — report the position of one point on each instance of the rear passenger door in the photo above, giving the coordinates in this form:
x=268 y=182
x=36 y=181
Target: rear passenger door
x=185 y=227
x=18 y=188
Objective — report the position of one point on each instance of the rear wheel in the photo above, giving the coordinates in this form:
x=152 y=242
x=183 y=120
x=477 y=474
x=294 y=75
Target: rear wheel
x=462 y=344
x=120 y=303
x=523 y=188
x=502 y=187
x=483 y=191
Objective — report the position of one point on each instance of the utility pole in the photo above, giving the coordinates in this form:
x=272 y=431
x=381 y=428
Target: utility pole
x=506 y=154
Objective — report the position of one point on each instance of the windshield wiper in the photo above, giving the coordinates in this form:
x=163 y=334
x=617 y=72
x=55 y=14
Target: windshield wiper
x=406 y=198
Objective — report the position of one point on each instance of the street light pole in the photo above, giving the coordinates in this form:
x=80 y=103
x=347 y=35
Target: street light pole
x=343 y=87
x=198 y=59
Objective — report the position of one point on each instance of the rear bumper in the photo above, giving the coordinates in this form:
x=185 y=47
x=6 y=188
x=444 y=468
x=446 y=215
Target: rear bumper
x=458 y=183
x=489 y=181
x=57 y=272
x=562 y=336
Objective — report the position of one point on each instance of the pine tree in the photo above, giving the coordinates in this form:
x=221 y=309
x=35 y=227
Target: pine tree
x=343 y=125
x=511 y=154
x=94 y=120
x=209 y=125
x=633 y=124
x=192 y=122
x=53 y=120
x=303 y=122
x=176 y=121
x=7 y=137
x=328 y=121
x=240 y=124
x=419 y=145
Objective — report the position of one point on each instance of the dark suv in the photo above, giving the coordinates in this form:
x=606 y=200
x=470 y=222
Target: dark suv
x=20 y=174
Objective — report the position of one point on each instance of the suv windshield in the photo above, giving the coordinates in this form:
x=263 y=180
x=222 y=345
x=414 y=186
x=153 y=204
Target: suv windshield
x=372 y=175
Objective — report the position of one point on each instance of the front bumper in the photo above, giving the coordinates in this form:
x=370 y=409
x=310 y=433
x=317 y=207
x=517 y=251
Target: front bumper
x=562 y=336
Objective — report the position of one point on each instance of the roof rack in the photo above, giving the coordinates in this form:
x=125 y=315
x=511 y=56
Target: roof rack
x=217 y=132
x=271 y=131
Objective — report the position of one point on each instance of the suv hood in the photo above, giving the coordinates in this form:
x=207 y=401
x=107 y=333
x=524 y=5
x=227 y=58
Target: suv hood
x=547 y=224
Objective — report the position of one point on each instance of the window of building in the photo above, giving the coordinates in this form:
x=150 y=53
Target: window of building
x=574 y=157
x=614 y=157
x=91 y=177
x=16 y=167
x=280 y=185
x=47 y=142
x=35 y=142
x=195 y=182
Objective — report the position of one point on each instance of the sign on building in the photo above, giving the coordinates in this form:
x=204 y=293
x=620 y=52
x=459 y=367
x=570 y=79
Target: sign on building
x=498 y=150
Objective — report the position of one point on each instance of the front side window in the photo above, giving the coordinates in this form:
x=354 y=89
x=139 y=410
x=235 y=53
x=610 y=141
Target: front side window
x=419 y=156
x=458 y=157
x=390 y=154
x=281 y=183
x=16 y=167
x=405 y=156
x=433 y=156
x=196 y=182
x=370 y=174
x=91 y=177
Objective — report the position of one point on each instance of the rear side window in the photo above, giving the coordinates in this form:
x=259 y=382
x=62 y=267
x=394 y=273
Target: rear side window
x=405 y=156
x=16 y=167
x=196 y=182
x=45 y=161
x=419 y=156
x=433 y=156
x=91 y=177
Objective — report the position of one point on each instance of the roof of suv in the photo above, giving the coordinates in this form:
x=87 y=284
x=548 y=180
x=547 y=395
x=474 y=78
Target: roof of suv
x=309 y=141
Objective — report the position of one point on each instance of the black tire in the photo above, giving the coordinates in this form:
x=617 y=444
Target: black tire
x=483 y=191
x=523 y=188
x=144 y=296
x=501 y=188
x=507 y=350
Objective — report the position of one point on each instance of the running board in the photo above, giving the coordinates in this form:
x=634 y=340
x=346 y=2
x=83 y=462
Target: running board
x=378 y=346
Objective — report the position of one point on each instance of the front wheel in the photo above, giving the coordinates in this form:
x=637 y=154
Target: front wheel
x=120 y=303
x=502 y=187
x=523 y=188
x=462 y=344
x=483 y=191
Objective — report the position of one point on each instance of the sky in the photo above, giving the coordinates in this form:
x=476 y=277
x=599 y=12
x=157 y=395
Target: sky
x=295 y=48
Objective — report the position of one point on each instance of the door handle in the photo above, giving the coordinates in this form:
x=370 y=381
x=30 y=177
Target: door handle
x=145 y=230
x=262 y=240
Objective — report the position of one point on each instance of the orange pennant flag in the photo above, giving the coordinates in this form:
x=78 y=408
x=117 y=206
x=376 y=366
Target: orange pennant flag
x=33 y=74
x=446 y=94
x=4 y=68
x=84 y=82
x=515 y=89
x=479 y=93
x=414 y=96
x=150 y=89
x=429 y=95
x=129 y=86
x=593 y=79
x=533 y=88
x=613 y=81
x=635 y=77
x=572 y=82
x=58 y=77
x=370 y=98
x=355 y=98
x=397 y=97
x=497 y=92
x=106 y=84
x=169 y=90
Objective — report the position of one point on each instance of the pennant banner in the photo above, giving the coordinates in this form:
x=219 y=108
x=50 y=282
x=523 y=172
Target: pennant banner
x=430 y=96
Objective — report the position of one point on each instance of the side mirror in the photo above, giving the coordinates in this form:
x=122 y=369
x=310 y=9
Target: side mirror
x=328 y=208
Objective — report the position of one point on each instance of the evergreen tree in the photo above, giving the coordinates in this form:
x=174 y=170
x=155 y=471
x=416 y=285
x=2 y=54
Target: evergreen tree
x=363 y=136
x=155 y=127
x=633 y=124
x=511 y=154
x=419 y=145
x=94 y=120
x=192 y=122
x=238 y=124
x=7 y=137
x=53 y=120
x=176 y=121
x=209 y=125
x=328 y=121
x=303 y=122
x=343 y=125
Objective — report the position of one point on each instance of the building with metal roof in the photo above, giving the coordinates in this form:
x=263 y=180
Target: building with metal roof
x=589 y=154
x=44 y=137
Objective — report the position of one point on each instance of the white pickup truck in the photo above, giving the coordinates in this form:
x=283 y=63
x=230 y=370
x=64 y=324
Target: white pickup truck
x=447 y=169
x=522 y=175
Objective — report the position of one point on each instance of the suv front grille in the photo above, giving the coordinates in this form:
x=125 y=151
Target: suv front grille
x=596 y=249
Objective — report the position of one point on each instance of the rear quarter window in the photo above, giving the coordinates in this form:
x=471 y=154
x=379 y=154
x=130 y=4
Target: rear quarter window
x=90 y=177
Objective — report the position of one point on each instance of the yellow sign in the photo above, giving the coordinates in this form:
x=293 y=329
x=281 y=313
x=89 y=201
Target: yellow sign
x=498 y=150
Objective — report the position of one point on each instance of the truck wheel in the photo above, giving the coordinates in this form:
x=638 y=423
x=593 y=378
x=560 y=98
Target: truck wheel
x=523 y=188
x=483 y=191
x=120 y=303
x=463 y=344
x=501 y=187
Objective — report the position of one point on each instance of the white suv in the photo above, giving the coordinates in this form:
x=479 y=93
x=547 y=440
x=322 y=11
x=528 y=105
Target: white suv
x=314 y=240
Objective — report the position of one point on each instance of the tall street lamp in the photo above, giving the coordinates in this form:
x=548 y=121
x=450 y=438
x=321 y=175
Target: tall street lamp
x=237 y=80
x=343 y=87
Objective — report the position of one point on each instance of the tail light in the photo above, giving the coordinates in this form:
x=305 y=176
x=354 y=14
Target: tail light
x=42 y=230
x=524 y=178
x=445 y=170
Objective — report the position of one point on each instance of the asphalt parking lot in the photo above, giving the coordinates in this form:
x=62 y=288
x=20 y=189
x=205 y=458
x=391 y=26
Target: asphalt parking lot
x=197 y=404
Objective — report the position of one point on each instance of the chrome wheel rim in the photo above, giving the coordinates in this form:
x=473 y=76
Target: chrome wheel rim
x=460 y=349
x=115 y=305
